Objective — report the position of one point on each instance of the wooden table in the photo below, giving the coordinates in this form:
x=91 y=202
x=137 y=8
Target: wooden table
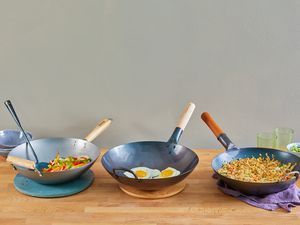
x=104 y=204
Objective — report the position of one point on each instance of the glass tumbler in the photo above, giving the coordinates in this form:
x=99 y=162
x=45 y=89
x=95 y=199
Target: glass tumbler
x=265 y=139
x=283 y=136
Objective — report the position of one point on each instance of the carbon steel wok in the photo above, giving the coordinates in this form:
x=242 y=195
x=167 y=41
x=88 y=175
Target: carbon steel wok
x=233 y=153
x=46 y=149
x=154 y=155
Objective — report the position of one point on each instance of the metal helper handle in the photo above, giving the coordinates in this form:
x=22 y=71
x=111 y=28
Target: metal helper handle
x=124 y=169
x=297 y=173
x=16 y=161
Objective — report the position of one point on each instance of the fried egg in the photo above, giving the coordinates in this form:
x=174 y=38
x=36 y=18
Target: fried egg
x=147 y=173
x=140 y=172
x=169 y=172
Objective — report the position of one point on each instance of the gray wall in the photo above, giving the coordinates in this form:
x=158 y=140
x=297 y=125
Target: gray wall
x=67 y=64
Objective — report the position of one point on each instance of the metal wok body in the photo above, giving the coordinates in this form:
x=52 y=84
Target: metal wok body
x=151 y=154
x=252 y=188
x=233 y=153
x=46 y=150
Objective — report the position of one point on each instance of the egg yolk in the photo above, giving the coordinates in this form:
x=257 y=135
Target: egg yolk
x=166 y=173
x=140 y=173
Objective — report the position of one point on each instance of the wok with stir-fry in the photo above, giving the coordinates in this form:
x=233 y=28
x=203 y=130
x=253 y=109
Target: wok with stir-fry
x=249 y=170
x=60 y=169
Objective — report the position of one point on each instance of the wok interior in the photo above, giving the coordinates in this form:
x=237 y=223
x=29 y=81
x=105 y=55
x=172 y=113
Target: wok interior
x=154 y=155
x=283 y=157
x=46 y=149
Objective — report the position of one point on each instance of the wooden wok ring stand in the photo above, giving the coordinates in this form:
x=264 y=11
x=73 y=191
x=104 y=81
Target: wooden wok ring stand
x=157 y=194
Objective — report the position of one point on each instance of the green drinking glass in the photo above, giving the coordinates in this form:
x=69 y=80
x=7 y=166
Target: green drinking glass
x=265 y=140
x=283 y=136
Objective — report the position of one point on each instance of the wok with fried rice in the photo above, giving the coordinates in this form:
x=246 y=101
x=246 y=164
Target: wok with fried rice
x=253 y=171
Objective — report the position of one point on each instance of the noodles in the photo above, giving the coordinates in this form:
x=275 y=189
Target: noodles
x=259 y=170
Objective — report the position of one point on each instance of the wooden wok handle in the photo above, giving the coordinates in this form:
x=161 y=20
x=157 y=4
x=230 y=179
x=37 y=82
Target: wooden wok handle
x=21 y=162
x=101 y=126
x=211 y=124
x=186 y=115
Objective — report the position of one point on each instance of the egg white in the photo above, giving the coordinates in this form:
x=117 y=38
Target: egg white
x=155 y=173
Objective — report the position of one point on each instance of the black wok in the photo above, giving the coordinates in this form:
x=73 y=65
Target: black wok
x=233 y=153
x=154 y=155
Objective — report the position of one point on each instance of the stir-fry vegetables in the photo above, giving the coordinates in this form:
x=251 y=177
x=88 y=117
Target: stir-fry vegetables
x=70 y=162
x=260 y=170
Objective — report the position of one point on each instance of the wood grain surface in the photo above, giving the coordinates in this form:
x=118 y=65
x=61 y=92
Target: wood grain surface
x=105 y=204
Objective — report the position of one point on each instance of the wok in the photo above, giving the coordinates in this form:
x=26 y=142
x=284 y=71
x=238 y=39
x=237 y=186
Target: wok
x=233 y=153
x=154 y=155
x=46 y=149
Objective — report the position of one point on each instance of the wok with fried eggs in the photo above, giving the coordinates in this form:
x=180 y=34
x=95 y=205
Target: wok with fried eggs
x=119 y=160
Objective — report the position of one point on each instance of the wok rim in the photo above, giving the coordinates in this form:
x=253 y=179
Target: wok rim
x=157 y=142
x=252 y=183
x=51 y=138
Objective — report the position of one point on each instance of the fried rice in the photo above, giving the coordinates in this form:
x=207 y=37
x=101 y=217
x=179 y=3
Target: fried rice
x=258 y=170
